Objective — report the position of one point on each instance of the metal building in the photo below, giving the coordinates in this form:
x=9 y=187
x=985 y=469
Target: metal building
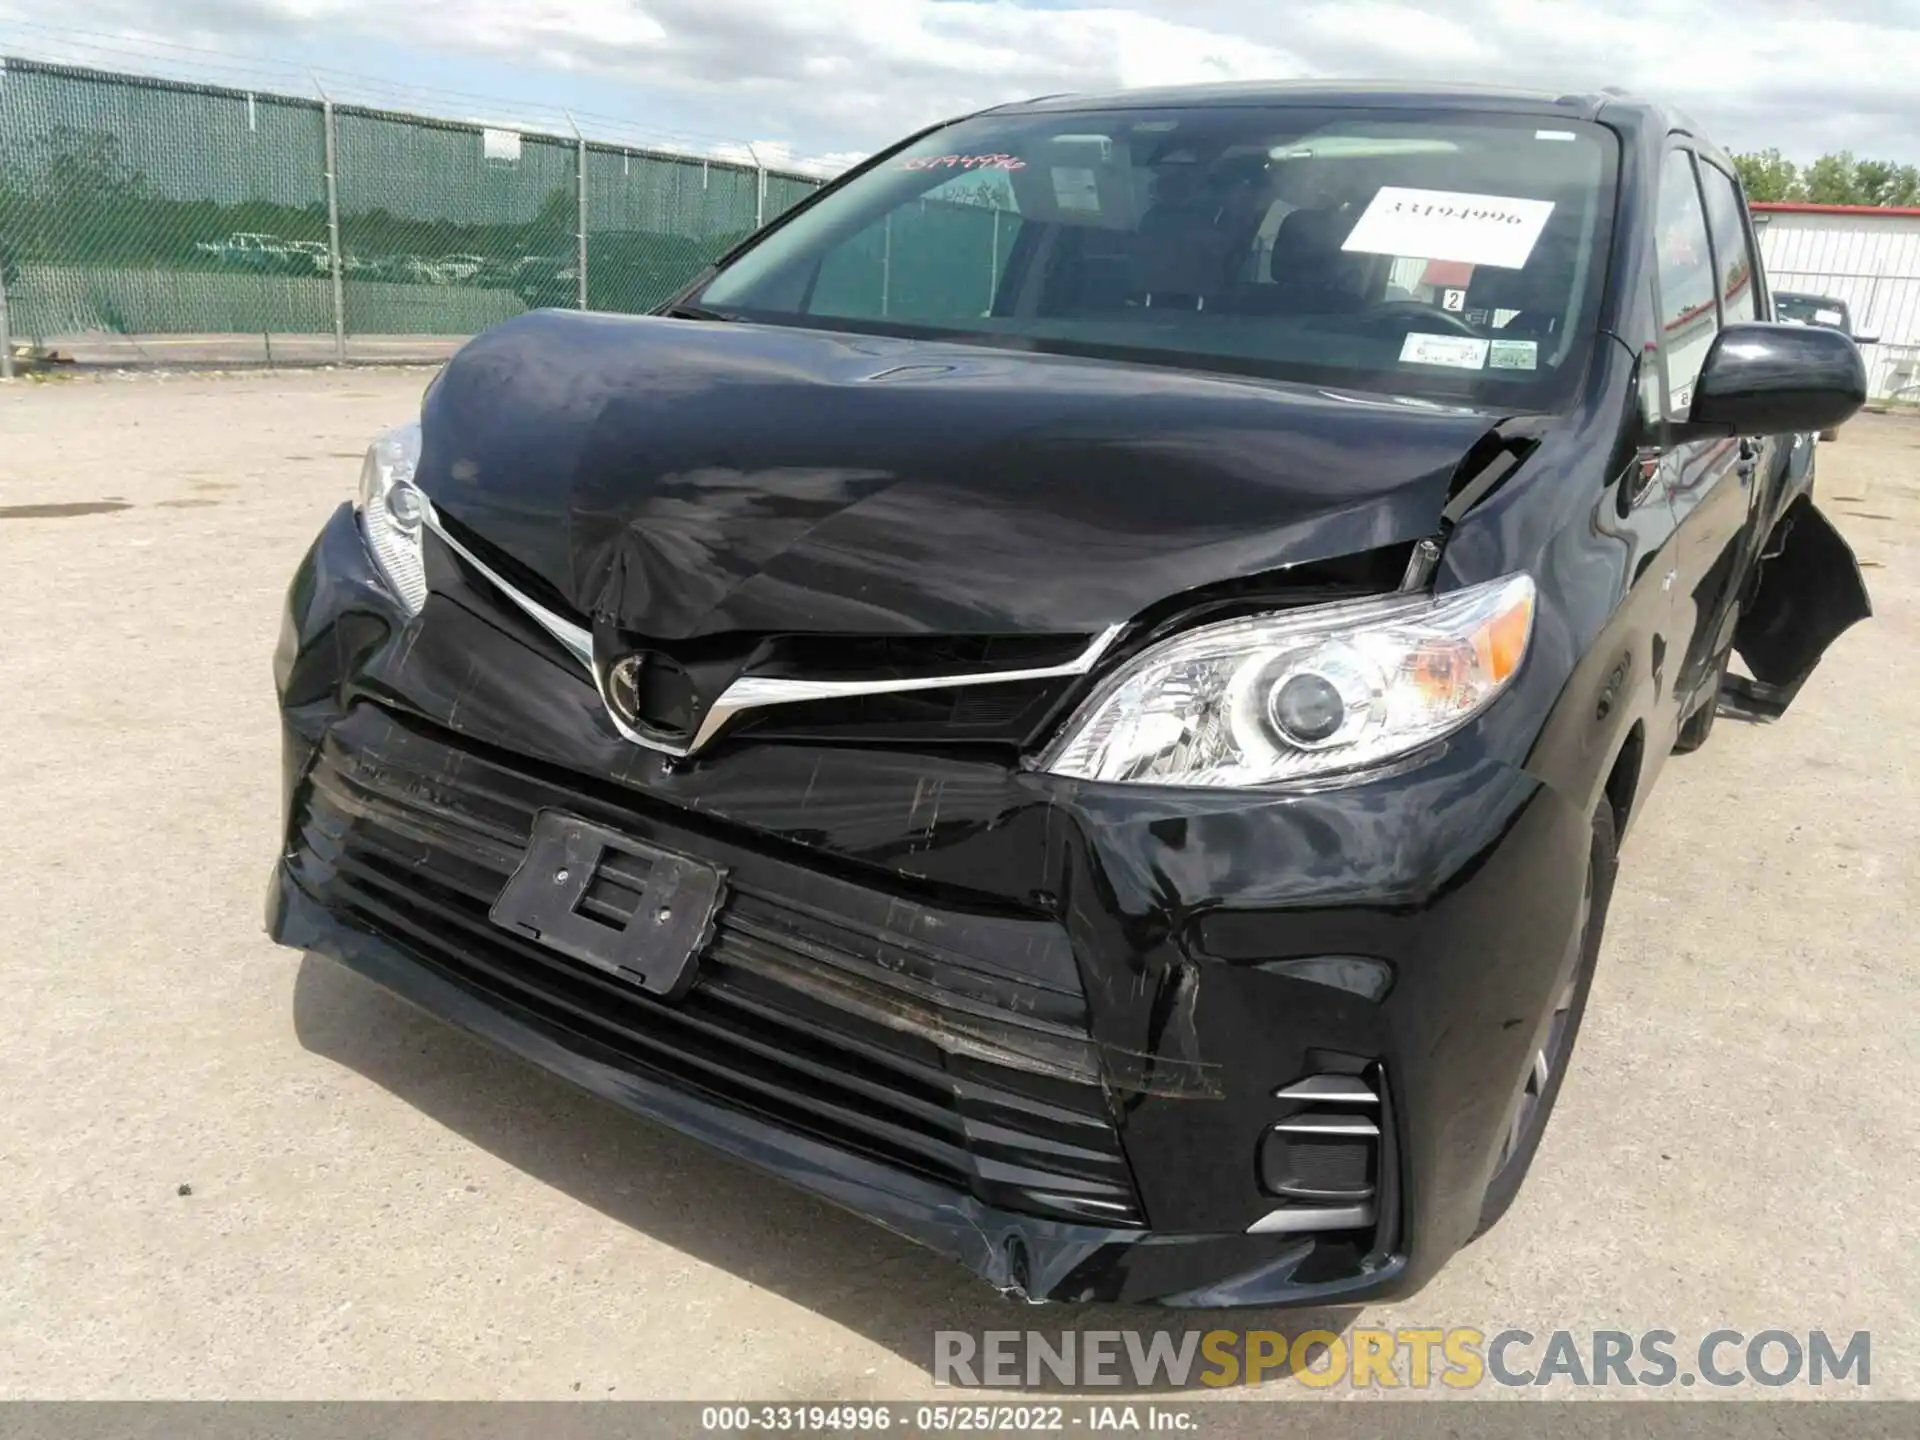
x=1865 y=255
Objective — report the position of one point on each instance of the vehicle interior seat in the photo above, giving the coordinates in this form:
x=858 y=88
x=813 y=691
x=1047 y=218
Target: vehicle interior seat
x=1310 y=273
x=1538 y=290
x=1179 y=253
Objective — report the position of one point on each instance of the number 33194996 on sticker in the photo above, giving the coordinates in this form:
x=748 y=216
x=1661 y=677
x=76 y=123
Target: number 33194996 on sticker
x=1497 y=230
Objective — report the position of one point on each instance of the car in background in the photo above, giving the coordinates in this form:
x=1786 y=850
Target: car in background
x=415 y=270
x=1798 y=307
x=385 y=268
x=630 y=272
x=247 y=249
x=268 y=254
x=461 y=269
x=1095 y=729
x=302 y=255
x=543 y=282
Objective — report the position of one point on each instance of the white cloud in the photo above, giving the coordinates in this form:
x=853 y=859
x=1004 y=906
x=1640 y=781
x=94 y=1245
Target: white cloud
x=1754 y=72
x=841 y=75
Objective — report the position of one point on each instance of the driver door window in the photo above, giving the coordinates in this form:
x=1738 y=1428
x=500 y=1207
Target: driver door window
x=1689 y=315
x=1726 y=217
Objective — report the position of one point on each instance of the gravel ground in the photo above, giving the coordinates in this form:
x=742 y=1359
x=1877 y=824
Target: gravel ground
x=381 y=1208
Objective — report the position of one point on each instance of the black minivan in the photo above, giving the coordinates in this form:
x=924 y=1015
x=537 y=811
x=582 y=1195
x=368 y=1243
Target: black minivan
x=1079 y=695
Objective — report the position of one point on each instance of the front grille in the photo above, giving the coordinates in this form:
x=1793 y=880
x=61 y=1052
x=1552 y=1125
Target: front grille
x=1006 y=714
x=665 y=691
x=951 y=1045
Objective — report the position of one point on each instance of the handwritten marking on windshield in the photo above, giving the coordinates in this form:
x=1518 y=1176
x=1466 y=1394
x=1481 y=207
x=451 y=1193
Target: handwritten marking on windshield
x=963 y=162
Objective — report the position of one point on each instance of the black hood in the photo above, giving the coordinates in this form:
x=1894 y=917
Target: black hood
x=680 y=479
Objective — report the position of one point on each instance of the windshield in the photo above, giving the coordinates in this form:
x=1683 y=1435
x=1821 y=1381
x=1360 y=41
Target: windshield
x=1451 y=256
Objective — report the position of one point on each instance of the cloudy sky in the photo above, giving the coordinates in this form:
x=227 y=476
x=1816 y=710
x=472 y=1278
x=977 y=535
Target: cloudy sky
x=833 y=78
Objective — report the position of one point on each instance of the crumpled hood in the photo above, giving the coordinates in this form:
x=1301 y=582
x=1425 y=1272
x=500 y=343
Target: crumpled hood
x=682 y=479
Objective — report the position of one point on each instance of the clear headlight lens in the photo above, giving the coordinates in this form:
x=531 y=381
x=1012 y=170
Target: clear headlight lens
x=392 y=512
x=1302 y=693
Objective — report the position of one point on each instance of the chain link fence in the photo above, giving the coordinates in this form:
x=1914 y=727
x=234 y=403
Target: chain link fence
x=141 y=207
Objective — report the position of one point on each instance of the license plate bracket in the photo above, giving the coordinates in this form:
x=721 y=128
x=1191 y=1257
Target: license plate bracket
x=634 y=910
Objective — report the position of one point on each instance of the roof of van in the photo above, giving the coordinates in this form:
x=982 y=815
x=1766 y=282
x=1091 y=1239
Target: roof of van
x=1627 y=112
x=1613 y=106
x=1385 y=93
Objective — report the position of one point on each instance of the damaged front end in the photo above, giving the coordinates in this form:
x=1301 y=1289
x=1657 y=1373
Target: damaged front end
x=1045 y=1029
x=880 y=928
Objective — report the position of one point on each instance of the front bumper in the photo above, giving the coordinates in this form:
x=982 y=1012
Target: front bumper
x=1036 y=1025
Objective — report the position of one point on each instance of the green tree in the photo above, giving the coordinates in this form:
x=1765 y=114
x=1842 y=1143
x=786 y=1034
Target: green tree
x=1881 y=182
x=85 y=194
x=1834 y=180
x=1768 y=175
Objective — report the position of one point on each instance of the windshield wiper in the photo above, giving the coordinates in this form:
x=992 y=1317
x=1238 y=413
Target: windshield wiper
x=696 y=312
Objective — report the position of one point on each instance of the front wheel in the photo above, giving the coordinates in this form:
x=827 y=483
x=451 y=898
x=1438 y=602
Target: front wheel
x=1539 y=1088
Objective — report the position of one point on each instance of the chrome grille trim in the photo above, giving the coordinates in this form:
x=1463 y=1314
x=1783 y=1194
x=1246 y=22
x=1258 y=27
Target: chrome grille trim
x=753 y=692
x=1301 y=1219
x=1328 y=1125
x=577 y=641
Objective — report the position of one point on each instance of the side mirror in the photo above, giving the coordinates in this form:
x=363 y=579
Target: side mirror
x=1761 y=379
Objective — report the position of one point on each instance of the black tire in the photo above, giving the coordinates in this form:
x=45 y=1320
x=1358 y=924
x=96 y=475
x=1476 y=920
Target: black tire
x=1695 y=729
x=1560 y=1030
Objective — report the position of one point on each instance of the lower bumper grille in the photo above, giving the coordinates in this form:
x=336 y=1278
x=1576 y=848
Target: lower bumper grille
x=826 y=1007
x=1332 y=1159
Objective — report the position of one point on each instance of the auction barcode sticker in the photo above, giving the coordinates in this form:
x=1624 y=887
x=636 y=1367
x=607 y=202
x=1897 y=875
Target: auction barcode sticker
x=1456 y=352
x=1497 y=230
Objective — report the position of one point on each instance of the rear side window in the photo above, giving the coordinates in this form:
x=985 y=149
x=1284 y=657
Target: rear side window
x=1688 y=317
x=1726 y=218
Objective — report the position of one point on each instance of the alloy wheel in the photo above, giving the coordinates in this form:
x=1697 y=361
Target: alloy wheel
x=1556 y=1043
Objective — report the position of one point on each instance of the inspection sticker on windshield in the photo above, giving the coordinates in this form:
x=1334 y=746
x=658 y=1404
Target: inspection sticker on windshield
x=1494 y=230
x=1460 y=352
x=1514 y=355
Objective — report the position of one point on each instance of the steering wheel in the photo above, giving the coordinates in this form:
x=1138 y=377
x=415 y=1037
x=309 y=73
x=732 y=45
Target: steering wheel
x=1417 y=310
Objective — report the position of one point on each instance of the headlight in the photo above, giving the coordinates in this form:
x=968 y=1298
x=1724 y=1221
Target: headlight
x=1302 y=693
x=392 y=512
